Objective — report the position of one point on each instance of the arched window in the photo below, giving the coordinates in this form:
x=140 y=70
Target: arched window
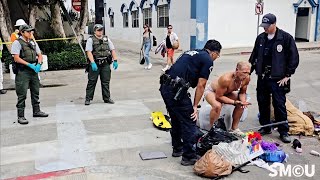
x=124 y=10
x=111 y=16
x=146 y=7
x=134 y=8
x=162 y=8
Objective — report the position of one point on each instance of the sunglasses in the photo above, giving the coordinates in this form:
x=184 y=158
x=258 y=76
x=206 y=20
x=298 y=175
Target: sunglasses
x=169 y=28
x=145 y=27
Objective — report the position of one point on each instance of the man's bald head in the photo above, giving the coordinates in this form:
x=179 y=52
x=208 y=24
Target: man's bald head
x=243 y=65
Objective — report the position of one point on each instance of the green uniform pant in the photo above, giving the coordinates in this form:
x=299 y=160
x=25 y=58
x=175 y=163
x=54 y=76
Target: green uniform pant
x=24 y=79
x=105 y=75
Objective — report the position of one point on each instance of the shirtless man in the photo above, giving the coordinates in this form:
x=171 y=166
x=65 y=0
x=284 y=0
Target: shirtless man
x=230 y=88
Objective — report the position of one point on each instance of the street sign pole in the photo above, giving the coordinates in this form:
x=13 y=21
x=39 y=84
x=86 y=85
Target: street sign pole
x=258 y=24
x=259 y=11
x=104 y=15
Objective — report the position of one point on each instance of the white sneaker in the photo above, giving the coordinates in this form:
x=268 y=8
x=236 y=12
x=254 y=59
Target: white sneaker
x=166 y=68
x=146 y=67
x=149 y=67
x=237 y=132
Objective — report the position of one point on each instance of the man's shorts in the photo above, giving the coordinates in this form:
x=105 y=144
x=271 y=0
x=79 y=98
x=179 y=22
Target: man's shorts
x=170 y=52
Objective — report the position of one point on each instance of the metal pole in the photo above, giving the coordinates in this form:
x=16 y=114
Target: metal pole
x=105 y=15
x=258 y=24
x=268 y=125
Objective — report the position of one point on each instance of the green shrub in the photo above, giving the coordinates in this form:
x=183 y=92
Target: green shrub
x=66 y=60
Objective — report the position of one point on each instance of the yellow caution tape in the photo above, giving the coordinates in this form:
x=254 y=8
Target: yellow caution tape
x=39 y=40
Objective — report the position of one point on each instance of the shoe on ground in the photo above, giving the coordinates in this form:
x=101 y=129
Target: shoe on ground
x=188 y=162
x=237 y=132
x=285 y=138
x=22 y=120
x=149 y=66
x=2 y=91
x=146 y=67
x=166 y=68
x=87 y=102
x=40 y=114
x=110 y=101
x=177 y=153
x=264 y=131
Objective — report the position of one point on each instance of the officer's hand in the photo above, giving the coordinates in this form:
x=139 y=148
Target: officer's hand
x=194 y=115
x=283 y=81
x=38 y=68
x=94 y=66
x=32 y=66
x=115 y=64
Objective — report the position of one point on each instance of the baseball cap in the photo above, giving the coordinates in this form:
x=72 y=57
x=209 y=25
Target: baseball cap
x=267 y=20
x=97 y=27
x=26 y=28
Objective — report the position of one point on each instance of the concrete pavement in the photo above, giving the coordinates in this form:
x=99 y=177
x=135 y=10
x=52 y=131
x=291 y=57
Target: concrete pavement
x=105 y=140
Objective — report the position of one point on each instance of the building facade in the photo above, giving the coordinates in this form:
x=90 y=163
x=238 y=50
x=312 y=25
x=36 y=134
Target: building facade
x=233 y=22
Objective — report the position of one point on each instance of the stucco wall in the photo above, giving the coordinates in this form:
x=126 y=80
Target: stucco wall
x=179 y=15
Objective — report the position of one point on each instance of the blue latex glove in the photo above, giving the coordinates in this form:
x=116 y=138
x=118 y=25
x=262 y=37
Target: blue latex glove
x=38 y=68
x=115 y=64
x=32 y=66
x=94 y=66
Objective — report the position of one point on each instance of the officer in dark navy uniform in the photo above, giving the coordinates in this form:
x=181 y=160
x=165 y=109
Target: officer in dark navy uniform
x=275 y=58
x=192 y=69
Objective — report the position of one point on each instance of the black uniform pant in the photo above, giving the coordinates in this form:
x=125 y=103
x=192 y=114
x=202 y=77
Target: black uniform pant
x=265 y=87
x=105 y=75
x=183 y=127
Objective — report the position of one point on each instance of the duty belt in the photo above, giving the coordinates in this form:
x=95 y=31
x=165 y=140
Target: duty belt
x=266 y=72
x=179 y=85
x=103 y=60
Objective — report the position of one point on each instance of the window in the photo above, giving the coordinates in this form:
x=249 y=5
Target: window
x=163 y=15
x=125 y=19
x=135 y=19
x=147 y=16
x=111 y=21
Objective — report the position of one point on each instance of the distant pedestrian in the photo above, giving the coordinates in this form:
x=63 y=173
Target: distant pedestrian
x=146 y=45
x=171 y=40
x=15 y=35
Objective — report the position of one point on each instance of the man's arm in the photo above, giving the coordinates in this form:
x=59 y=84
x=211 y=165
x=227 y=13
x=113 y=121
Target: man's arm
x=199 y=91
x=293 y=57
x=253 y=57
x=114 y=55
x=90 y=56
x=38 y=51
x=221 y=90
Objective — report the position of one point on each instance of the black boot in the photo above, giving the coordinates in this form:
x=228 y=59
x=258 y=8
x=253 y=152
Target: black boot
x=40 y=114
x=177 y=152
x=110 y=101
x=22 y=120
x=3 y=91
x=285 y=138
x=87 y=102
x=188 y=162
x=264 y=131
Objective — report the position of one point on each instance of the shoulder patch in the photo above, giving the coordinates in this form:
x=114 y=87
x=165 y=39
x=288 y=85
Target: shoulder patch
x=191 y=53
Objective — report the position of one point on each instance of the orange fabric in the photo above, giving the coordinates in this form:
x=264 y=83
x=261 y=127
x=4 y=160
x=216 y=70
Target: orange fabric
x=170 y=52
x=13 y=37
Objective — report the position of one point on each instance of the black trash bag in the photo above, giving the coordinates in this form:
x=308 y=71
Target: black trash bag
x=213 y=137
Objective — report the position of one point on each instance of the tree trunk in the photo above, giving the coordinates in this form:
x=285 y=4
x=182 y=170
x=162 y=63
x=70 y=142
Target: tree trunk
x=56 y=19
x=32 y=15
x=84 y=13
x=5 y=22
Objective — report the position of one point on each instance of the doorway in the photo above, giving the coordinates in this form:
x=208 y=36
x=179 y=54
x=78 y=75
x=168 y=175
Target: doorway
x=303 y=25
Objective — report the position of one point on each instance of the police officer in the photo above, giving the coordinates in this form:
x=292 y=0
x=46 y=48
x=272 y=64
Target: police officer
x=192 y=69
x=101 y=53
x=274 y=58
x=28 y=59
